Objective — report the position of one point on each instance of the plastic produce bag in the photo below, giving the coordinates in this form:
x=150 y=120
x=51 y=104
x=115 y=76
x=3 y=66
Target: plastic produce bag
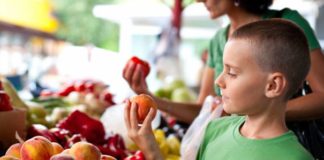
x=195 y=133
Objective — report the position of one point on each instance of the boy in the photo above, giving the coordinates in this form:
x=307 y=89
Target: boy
x=264 y=64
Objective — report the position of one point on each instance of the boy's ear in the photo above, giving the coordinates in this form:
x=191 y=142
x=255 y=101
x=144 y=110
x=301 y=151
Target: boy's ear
x=276 y=85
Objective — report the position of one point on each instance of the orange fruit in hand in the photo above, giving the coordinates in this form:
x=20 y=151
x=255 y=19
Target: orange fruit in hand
x=144 y=103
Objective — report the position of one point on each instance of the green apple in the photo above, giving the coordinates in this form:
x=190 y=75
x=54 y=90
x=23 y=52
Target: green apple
x=174 y=84
x=37 y=110
x=183 y=95
x=163 y=93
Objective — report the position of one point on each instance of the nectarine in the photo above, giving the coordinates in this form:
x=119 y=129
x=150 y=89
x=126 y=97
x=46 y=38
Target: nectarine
x=107 y=157
x=85 y=151
x=7 y=157
x=62 y=157
x=144 y=102
x=14 y=150
x=57 y=148
x=36 y=148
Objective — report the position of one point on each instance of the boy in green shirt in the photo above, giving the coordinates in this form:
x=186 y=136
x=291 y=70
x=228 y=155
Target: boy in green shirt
x=265 y=62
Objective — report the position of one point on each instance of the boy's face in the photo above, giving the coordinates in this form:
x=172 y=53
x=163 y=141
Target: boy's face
x=242 y=82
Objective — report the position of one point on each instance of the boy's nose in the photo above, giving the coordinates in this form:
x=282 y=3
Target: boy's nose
x=220 y=81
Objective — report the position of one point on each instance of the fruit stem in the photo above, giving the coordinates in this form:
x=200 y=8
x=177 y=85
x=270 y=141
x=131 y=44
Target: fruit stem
x=20 y=140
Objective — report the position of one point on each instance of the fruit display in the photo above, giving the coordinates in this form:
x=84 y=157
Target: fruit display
x=89 y=96
x=40 y=148
x=144 y=102
x=64 y=125
x=79 y=127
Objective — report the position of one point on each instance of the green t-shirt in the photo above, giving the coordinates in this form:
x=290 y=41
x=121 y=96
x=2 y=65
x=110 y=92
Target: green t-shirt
x=223 y=141
x=217 y=44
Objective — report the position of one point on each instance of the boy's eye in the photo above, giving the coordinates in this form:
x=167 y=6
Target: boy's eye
x=231 y=74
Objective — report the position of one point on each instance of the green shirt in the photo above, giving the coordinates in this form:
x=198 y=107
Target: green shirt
x=217 y=44
x=223 y=141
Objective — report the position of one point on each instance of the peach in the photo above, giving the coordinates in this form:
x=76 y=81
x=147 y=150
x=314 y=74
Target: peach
x=144 y=102
x=57 y=148
x=66 y=151
x=14 y=150
x=84 y=151
x=36 y=148
x=62 y=157
x=107 y=157
x=7 y=157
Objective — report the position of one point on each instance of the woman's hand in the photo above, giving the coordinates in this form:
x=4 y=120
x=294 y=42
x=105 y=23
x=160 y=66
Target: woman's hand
x=142 y=135
x=134 y=75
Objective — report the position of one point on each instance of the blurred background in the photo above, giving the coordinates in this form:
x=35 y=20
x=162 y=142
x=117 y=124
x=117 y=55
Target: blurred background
x=47 y=42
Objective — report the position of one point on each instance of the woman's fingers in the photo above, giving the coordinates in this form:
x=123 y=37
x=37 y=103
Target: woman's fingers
x=128 y=72
x=137 y=75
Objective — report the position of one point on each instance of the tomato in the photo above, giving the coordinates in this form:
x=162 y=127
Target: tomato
x=46 y=93
x=80 y=86
x=66 y=91
x=145 y=65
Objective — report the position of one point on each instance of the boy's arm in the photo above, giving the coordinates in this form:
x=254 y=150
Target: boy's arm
x=143 y=135
x=310 y=106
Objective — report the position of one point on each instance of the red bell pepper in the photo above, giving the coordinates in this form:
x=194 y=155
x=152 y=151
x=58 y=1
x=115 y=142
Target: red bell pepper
x=66 y=91
x=114 y=146
x=137 y=156
x=34 y=131
x=91 y=129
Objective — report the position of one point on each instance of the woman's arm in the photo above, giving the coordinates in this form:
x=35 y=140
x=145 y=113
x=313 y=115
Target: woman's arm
x=207 y=84
x=185 y=112
x=310 y=106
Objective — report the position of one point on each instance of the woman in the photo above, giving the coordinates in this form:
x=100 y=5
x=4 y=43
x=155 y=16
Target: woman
x=240 y=12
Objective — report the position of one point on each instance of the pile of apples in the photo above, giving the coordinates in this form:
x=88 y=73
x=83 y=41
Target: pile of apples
x=40 y=148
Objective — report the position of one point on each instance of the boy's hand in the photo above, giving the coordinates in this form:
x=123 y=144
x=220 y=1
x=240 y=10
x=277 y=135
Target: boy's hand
x=134 y=75
x=143 y=135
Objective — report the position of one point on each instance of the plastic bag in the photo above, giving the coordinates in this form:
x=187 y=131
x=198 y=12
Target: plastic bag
x=195 y=133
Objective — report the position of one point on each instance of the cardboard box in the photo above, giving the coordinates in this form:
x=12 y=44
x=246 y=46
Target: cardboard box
x=10 y=123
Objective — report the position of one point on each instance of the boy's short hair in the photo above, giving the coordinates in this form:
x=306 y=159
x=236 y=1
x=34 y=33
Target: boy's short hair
x=280 y=46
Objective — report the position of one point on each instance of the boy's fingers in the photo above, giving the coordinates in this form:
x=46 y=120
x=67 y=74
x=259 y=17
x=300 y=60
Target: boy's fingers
x=149 y=118
x=126 y=114
x=133 y=116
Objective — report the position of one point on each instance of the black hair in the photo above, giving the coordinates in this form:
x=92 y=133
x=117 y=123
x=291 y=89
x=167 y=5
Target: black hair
x=254 y=6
